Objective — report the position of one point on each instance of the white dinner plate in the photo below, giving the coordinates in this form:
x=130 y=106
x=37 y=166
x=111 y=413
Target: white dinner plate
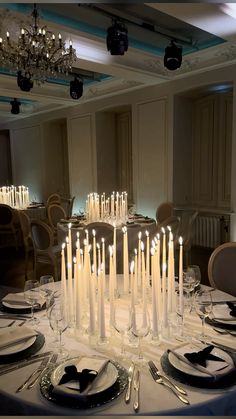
x=19 y=306
x=105 y=381
x=14 y=349
x=187 y=369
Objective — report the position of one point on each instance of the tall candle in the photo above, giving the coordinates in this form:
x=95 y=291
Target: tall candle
x=181 y=292
x=169 y=272
x=158 y=274
x=92 y=323
x=132 y=283
x=63 y=280
x=164 y=315
x=125 y=261
x=114 y=256
x=147 y=259
x=99 y=256
x=79 y=297
x=111 y=287
x=144 y=287
x=94 y=252
x=70 y=286
x=139 y=260
x=154 y=295
x=135 y=275
x=101 y=307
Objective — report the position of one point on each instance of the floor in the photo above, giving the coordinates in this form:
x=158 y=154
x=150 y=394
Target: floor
x=12 y=266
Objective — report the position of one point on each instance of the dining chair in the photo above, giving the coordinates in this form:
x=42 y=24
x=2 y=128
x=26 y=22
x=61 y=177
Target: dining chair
x=27 y=238
x=53 y=198
x=164 y=211
x=45 y=252
x=222 y=268
x=55 y=213
x=9 y=224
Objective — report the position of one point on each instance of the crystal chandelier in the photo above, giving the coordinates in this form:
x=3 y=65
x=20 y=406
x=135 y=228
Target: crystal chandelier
x=37 y=54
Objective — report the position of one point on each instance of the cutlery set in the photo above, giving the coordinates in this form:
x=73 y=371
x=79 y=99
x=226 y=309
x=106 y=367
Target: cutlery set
x=20 y=364
x=165 y=381
x=37 y=374
x=133 y=377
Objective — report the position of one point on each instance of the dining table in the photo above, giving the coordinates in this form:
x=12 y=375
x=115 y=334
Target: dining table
x=154 y=398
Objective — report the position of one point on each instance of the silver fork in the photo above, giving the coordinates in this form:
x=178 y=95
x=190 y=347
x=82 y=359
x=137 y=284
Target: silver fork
x=163 y=376
x=160 y=380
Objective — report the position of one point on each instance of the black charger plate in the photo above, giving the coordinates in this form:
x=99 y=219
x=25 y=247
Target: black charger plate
x=20 y=310
x=33 y=349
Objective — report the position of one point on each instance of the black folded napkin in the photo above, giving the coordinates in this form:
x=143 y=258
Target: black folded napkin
x=202 y=356
x=85 y=377
x=232 y=307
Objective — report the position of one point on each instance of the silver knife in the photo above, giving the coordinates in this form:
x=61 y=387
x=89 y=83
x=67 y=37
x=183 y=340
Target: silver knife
x=130 y=378
x=39 y=369
x=136 y=388
x=37 y=376
x=20 y=364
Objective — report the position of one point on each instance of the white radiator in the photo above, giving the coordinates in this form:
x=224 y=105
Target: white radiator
x=207 y=231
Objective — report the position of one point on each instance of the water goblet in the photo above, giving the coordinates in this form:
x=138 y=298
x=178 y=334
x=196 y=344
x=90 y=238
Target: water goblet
x=122 y=322
x=140 y=325
x=203 y=306
x=47 y=289
x=58 y=323
x=189 y=283
x=31 y=295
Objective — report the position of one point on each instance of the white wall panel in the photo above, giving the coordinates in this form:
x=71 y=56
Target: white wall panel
x=28 y=166
x=152 y=156
x=82 y=161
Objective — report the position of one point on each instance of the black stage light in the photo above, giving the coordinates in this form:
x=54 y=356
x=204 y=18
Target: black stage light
x=76 y=88
x=173 y=57
x=24 y=82
x=117 y=38
x=15 y=106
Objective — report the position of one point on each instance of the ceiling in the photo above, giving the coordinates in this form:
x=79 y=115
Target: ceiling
x=206 y=32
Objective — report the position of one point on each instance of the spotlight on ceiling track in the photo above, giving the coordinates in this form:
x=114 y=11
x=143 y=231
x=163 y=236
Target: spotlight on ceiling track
x=117 y=38
x=15 y=106
x=24 y=82
x=76 y=88
x=173 y=56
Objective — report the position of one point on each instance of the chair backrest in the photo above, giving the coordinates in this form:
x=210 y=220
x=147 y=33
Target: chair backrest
x=6 y=215
x=25 y=225
x=55 y=213
x=164 y=211
x=53 y=198
x=173 y=222
x=222 y=268
x=42 y=236
x=103 y=230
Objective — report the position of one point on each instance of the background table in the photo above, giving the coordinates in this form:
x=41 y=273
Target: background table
x=154 y=398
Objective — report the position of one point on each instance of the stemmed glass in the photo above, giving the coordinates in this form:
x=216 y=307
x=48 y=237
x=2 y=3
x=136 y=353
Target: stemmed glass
x=197 y=274
x=140 y=325
x=203 y=306
x=58 y=323
x=31 y=295
x=122 y=322
x=189 y=284
x=47 y=289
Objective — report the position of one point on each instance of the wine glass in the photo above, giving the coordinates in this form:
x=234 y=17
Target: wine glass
x=189 y=283
x=140 y=325
x=197 y=273
x=122 y=322
x=203 y=306
x=58 y=323
x=47 y=289
x=32 y=295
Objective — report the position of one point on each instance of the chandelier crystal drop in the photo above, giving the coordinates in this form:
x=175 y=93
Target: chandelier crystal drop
x=37 y=54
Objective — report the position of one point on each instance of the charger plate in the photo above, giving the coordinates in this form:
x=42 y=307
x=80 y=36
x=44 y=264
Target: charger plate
x=16 y=309
x=91 y=401
x=196 y=381
x=221 y=324
x=24 y=353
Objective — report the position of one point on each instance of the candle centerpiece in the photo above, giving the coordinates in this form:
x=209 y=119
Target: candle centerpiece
x=15 y=196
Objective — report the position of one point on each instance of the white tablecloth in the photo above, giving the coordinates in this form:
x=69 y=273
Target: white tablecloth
x=155 y=399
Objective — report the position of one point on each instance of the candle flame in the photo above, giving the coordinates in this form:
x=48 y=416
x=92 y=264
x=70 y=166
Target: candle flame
x=163 y=230
x=67 y=240
x=153 y=243
x=142 y=246
x=63 y=246
x=181 y=241
x=103 y=240
x=169 y=228
x=85 y=242
x=98 y=246
x=74 y=259
x=89 y=248
x=152 y=251
x=69 y=225
x=77 y=234
x=170 y=236
x=140 y=235
x=93 y=233
x=164 y=267
x=132 y=267
x=158 y=236
x=124 y=229
x=92 y=268
x=81 y=251
x=77 y=244
x=147 y=233
x=135 y=252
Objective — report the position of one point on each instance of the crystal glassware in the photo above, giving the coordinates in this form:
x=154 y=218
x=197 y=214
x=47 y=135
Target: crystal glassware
x=140 y=325
x=203 y=306
x=58 y=323
x=122 y=322
x=32 y=296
